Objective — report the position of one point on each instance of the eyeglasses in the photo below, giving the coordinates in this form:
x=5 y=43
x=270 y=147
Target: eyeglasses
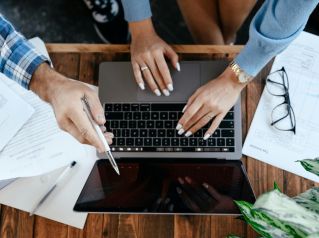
x=283 y=116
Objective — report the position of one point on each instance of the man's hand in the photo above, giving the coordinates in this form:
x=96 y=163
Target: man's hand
x=65 y=95
x=148 y=53
x=210 y=102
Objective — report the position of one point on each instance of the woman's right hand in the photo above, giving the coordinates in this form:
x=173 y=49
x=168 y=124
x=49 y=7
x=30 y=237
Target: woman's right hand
x=148 y=52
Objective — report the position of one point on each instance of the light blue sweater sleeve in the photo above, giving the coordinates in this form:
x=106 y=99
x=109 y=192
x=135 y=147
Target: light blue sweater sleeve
x=136 y=10
x=274 y=27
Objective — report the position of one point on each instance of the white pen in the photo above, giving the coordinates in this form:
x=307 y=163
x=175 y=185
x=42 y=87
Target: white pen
x=56 y=184
x=86 y=108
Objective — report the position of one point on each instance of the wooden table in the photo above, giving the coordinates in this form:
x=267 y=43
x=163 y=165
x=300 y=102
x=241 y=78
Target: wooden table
x=81 y=62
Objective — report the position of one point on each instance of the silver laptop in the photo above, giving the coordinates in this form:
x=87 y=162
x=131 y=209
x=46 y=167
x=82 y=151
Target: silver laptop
x=156 y=163
x=144 y=124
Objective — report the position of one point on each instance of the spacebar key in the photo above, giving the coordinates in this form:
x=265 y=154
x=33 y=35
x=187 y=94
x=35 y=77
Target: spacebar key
x=114 y=116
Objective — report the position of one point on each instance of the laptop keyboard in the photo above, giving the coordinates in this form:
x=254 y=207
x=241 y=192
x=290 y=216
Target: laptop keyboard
x=151 y=128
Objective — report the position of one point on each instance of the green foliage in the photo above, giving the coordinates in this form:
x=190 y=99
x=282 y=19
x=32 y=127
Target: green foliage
x=311 y=165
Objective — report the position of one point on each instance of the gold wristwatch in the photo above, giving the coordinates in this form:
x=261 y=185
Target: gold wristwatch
x=241 y=75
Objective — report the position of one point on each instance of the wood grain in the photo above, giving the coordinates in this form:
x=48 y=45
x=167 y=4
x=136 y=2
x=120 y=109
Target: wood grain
x=80 y=61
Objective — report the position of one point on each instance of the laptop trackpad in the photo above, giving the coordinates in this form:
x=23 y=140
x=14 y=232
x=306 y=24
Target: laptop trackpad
x=185 y=83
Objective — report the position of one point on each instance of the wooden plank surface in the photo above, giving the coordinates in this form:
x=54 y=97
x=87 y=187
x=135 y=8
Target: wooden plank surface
x=81 y=62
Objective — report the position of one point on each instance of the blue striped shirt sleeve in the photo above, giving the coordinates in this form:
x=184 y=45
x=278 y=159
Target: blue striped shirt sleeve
x=18 y=58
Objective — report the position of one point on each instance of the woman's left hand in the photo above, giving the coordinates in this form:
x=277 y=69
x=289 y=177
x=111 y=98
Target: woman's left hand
x=210 y=102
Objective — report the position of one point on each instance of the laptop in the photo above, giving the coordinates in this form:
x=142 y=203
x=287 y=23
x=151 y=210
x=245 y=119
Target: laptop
x=161 y=171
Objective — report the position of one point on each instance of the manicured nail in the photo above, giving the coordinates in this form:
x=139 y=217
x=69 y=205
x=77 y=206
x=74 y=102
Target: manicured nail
x=181 y=131
x=189 y=133
x=109 y=135
x=180 y=180
x=157 y=92
x=179 y=126
x=178 y=67
x=184 y=109
x=206 y=136
x=101 y=118
x=103 y=128
x=142 y=86
x=205 y=185
x=170 y=87
x=166 y=92
x=179 y=191
x=188 y=180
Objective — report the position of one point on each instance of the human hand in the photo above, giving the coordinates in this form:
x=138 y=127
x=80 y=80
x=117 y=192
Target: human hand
x=148 y=52
x=65 y=95
x=210 y=102
x=204 y=197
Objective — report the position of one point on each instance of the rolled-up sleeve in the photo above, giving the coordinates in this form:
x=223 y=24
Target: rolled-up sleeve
x=136 y=10
x=18 y=58
x=274 y=27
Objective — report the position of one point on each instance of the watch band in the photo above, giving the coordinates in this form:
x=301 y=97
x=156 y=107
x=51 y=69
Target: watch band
x=241 y=75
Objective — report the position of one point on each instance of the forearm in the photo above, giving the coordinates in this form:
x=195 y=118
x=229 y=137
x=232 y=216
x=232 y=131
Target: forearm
x=274 y=27
x=18 y=58
x=141 y=27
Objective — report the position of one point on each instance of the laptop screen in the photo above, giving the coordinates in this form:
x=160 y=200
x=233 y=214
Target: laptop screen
x=178 y=186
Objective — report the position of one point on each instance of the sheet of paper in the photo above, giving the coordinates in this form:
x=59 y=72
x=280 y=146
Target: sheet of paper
x=14 y=112
x=283 y=149
x=59 y=205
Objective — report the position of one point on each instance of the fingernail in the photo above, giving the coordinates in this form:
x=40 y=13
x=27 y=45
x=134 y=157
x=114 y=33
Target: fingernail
x=179 y=126
x=142 y=86
x=189 y=133
x=170 y=87
x=110 y=135
x=103 y=128
x=178 y=67
x=179 y=191
x=184 y=109
x=166 y=92
x=206 y=136
x=101 y=118
x=157 y=92
x=181 y=131
x=180 y=180
x=188 y=179
x=205 y=185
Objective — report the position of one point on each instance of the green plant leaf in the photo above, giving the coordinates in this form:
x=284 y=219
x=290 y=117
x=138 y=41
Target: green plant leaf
x=309 y=199
x=311 y=165
x=276 y=187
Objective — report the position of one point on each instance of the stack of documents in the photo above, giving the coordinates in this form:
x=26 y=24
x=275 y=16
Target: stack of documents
x=279 y=148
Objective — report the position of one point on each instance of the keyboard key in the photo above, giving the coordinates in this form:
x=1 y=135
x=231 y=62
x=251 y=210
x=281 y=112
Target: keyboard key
x=145 y=107
x=135 y=107
x=116 y=132
x=170 y=133
x=150 y=124
x=152 y=133
x=216 y=133
x=129 y=142
x=120 y=141
x=184 y=141
x=108 y=107
x=163 y=116
x=141 y=124
x=230 y=142
x=156 y=142
x=123 y=124
x=229 y=116
x=211 y=142
x=115 y=124
x=114 y=116
x=174 y=141
x=128 y=115
x=132 y=124
x=220 y=142
x=146 y=115
x=117 y=107
x=138 y=142
x=114 y=142
x=154 y=116
x=159 y=124
x=143 y=133
x=227 y=133
x=134 y=133
x=167 y=107
x=192 y=141
x=165 y=142
x=168 y=124
x=199 y=133
x=126 y=107
x=125 y=133
x=147 y=141
x=137 y=116
x=226 y=124
x=202 y=142
x=172 y=116
x=161 y=133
